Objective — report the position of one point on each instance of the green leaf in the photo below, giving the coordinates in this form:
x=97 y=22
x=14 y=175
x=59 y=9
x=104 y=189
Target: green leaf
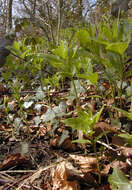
x=119 y=181
x=127 y=138
x=62 y=50
x=92 y=77
x=84 y=122
x=82 y=141
x=125 y=113
x=16 y=45
x=54 y=58
x=100 y=136
x=83 y=37
x=101 y=42
x=118 y=47
x=97 y=115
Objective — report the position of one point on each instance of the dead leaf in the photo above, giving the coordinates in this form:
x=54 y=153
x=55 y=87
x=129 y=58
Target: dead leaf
x=106 y=85
x=14 y=160
x=59 y=179
x=68 y=145
x=110 y=102
x=118 y=141
x=127 y=152
x=102 y=126
x=86 y=163
x=105 y=187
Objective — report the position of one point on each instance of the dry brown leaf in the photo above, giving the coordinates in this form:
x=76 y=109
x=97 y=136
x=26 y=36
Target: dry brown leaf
x=54 y=141
x=127 y=152
x=86 y=163
x=105 y=187
x=68 y=145
x=105 y=170
x=59 y=179
x=14 y=160
x=110 y=102
x=73 y=173
x=106 y=85
x=102 y=126
x=123 y=166
x=118 y=141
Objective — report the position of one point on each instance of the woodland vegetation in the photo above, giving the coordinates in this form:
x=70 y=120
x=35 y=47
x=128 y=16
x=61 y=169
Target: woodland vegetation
x=65 y=95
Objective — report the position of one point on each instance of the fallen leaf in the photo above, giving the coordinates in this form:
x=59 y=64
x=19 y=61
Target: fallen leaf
x=86 y=163
x=127 y=152
x=59 y=179
x=14 y=160
x=105 y=187
x=101 y=127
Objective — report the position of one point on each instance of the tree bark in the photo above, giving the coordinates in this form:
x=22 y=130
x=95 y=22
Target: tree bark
x=9 y=14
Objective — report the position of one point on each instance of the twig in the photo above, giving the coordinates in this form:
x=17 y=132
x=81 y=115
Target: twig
x=36 y=173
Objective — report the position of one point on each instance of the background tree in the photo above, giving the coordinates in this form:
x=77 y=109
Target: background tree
x=9 y=14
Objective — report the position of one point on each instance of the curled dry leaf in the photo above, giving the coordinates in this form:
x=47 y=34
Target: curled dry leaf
x=60 y=181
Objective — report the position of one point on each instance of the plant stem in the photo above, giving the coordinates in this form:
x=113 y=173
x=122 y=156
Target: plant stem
x=98 y=166
x=75 y=90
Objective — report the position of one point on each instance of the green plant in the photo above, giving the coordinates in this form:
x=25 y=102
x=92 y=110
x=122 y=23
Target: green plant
x=127 y=138
x=7 y=109
x=105 y=44
x=85 y=122
x=68 y=63
x=127 y=114
x=16 y=88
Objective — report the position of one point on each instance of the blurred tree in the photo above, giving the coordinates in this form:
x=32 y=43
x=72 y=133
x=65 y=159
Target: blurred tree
x=53 y=15
x=9 y=14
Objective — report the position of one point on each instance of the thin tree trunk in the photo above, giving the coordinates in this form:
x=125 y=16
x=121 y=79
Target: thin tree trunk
x=9 y=14
x=59 y=10
x=34 y=8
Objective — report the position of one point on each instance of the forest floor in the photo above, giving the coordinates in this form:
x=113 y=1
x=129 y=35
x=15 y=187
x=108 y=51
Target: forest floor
x=37 y=153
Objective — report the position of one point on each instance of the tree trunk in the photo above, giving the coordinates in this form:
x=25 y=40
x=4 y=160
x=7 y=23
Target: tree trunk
x=9 y=14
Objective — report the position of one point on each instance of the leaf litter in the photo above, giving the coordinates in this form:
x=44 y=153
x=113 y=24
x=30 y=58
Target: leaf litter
x=46 y=160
